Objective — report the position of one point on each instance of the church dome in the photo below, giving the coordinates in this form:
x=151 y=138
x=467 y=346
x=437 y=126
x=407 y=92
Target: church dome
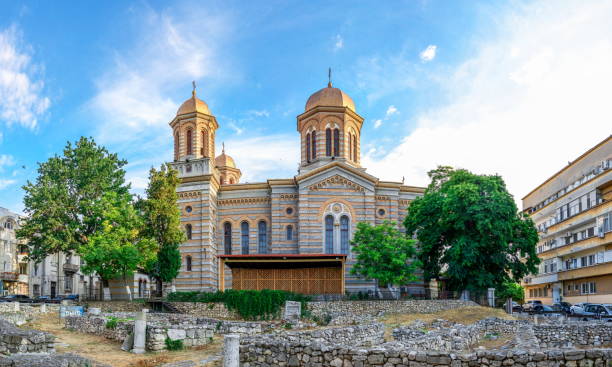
x=224 y=160
x=330 y=96
x=193 y=104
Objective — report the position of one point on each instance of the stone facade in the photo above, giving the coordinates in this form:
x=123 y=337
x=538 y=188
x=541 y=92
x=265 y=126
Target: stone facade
x=314 y=212
x=570 y=335
x=54 y=360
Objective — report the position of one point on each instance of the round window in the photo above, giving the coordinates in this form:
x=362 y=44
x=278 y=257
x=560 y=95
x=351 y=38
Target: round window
x=188 y=209
x=289 y=211
x=381 y=212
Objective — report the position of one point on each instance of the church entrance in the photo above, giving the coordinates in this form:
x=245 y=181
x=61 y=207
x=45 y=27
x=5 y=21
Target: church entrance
x=305 y=274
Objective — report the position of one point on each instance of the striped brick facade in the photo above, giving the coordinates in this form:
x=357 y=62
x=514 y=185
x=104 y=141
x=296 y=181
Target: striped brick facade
x=293 y=210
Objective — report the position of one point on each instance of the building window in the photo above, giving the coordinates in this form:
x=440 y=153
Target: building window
x=188 y=263
x=328 y=142
x=289 y=233
x=329 y=234
x=289 y=211
x=354 y=148
x=314 y=144
x=68 y=283
x=263 y=237
x=381 y=212
x=204 y=150
x=308 y=147
x=336 y=142
x=189 y=142
x=188 y=231
x=344 y=234
x=188 y=209
x=227 y=237
x=244 y=237
x=583 y=261
x=176 y=146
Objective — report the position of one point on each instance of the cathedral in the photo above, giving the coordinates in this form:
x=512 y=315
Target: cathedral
x=292 y=234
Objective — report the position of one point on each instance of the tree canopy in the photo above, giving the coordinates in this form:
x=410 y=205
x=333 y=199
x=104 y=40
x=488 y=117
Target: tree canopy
x=162 y=222
x=60 y=205
x=383 y=253
x=470 y=231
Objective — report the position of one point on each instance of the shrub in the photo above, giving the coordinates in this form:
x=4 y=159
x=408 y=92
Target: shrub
x=249 y=304
x=174 y=344
x=112 y=322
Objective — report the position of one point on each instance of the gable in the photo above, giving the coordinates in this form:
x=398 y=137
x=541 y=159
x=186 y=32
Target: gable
x=335 y=176
x=336 y=181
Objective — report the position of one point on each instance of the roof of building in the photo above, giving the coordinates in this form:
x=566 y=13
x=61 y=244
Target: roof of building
x=193 y=104
x=224 y=160
x=330 y=96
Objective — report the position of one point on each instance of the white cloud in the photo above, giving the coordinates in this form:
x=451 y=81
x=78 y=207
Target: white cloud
x=22 y=99
x=4 y=183
x=169 y=51
x=259 y=113
x=377 y=123
x=260 y=158
x=392 y=110
x=6 y=160
x=338 y=42
x=535 y=96
x=429 y=53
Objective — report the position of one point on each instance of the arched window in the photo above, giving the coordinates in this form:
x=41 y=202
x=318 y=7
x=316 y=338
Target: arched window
x=350 y=146
x=176 y=146
x=231 y=180
x=289 y=233
x=188 y=231
x=336 y=142
x=188 y=263
x=139 y=288
x=354 y=148
x=308 y=147
x=244 y=237
x=314 y=144
x=227 y=237
x=222 y=178
x=344 y=234
x=262 y=237
x=204 y=149
x=328 y=142
x=329 y=234
x=189 y=142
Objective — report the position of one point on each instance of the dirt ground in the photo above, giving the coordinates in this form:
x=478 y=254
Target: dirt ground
x=109 y=352
x=465 y=316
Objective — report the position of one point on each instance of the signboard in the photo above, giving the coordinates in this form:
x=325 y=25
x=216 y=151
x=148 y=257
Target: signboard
x=292 y=311
x=70 y=311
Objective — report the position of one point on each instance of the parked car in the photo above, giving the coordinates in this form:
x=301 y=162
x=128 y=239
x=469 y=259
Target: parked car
x=42 y=299
x=543 y=308
x=71 y=297
x=595 y=311
x=17 y=298
x=578 y=308
x=533 y=305
x=562 y=306
x=516 y=307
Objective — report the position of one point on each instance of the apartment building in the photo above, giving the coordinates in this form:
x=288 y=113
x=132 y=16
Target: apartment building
x=573 y=214
x=61 y=275
x=15 y=268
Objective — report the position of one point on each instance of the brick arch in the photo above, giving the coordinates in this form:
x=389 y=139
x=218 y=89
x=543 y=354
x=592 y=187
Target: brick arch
x=330 y=201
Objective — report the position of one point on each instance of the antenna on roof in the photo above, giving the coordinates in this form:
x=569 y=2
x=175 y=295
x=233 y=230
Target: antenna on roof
x=193 y=92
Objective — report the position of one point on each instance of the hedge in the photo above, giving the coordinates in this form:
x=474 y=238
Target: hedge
x=249 y=304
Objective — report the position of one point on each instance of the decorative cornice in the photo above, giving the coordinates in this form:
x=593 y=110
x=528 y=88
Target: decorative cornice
x=336 y=179
x=245 y=186
x=416 y=189
x=383 y=198
x=289 y=196
x=189 y=194
x=340 y=165
x=243 y=201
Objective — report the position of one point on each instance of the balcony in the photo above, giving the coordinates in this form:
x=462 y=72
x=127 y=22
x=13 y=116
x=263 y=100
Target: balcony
x=71 y=268
x=543 y=279
x=9 y=276
x=587 y=271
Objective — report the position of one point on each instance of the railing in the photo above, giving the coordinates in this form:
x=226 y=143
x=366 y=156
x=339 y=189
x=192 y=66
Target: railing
x=10 y=276
x=71 y=268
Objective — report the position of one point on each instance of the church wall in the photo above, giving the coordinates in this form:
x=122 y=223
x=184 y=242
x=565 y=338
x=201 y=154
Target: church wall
x=284 y=197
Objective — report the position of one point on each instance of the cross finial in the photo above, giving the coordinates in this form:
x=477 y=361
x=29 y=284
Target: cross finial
x=223 y=147
x=193 y=92
x=329 y=83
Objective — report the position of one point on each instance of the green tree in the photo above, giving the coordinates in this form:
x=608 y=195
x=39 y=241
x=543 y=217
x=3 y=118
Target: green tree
x=59 y=206
x=383 y=253
x=118 y=249
x=162 y=223
x=510 y=290
x=470 y=231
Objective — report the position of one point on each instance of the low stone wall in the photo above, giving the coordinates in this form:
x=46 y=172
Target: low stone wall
x=115 y=306
x=212 y=310
x=579 y=334
x=14 y=340
x=295 y=355
x=97 y=325
x=361 y=335
x=53 y=360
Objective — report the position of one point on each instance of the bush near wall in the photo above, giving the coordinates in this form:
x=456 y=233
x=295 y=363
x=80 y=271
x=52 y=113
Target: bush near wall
x=249 y=304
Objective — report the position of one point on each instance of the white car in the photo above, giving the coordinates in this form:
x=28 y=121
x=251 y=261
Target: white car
x=578 y=308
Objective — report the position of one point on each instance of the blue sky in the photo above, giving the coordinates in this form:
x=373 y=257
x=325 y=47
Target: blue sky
x=516 y=88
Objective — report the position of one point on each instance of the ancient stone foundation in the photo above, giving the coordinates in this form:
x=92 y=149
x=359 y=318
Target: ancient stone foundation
x=15 y=340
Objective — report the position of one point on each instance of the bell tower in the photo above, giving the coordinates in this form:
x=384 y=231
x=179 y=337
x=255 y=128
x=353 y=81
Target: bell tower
x=330 y=129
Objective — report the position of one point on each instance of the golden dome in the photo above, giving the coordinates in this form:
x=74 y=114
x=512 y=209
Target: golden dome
x=193 y=104
x=224 y=160
x=330 y=96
